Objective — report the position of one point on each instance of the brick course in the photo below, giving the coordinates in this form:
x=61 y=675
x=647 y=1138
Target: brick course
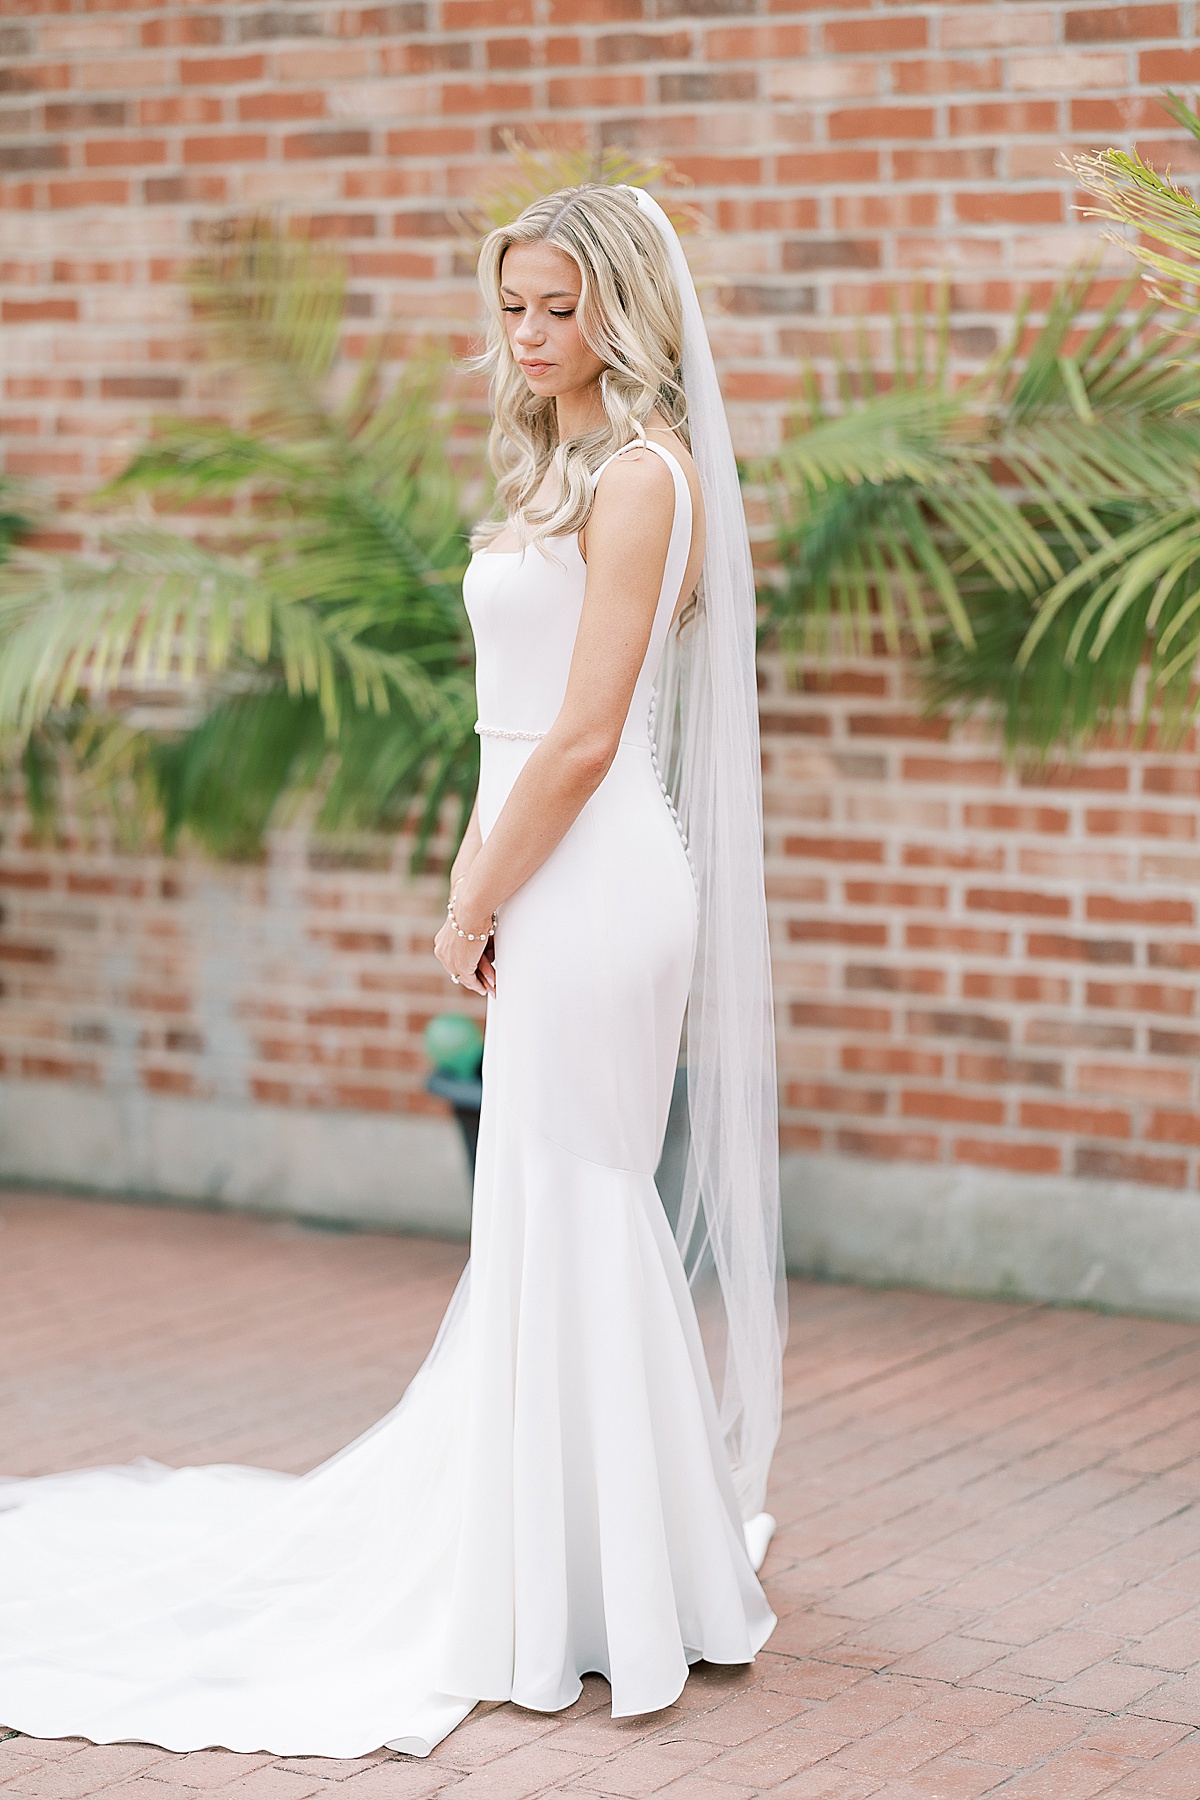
x=849 y=146
x=971 y=966
x=1048 y=1001
x=306 y=984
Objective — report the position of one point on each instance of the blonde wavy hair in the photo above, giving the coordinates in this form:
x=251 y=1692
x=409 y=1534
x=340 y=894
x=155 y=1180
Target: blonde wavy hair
x=629 y=314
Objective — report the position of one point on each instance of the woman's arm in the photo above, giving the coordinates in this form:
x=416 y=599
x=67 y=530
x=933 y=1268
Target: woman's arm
x=628 y=535
x=481 y=980
x=468 y=850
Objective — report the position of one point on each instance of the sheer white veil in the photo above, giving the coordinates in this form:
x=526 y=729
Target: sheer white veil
x=706 y=738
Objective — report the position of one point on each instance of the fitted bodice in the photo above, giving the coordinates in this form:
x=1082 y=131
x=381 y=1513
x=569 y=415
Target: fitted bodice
x=524 y=607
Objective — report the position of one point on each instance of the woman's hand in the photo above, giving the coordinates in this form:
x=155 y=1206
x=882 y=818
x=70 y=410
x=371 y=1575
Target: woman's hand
x=468 y=963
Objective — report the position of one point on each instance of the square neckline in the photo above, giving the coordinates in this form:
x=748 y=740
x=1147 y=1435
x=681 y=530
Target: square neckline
x=560 y=537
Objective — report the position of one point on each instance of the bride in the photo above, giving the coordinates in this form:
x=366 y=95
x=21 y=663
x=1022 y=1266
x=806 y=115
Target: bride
x=574 y=1480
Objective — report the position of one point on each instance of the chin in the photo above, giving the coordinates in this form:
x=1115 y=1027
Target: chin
x=544 y=386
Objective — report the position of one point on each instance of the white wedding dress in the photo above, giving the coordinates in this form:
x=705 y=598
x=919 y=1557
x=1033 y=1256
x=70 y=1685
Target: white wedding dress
x=552 y=1495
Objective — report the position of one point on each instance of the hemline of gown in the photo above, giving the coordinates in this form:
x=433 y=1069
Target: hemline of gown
x=453 y=1708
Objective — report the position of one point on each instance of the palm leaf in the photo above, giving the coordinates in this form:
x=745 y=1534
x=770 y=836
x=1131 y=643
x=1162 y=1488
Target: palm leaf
x=1056 y=488
x=1043 y=699
x=1164 y=217
x=71 y=630
x=14 y=523
x=326 y=602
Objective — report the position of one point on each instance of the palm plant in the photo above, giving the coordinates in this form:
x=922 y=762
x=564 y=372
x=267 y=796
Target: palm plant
x=315 y=640
x=1165 y=217
x=1034 y=530
x=13 y=522
x=315 y=636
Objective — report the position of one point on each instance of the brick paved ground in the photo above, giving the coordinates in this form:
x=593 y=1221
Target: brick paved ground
x=987 y=1574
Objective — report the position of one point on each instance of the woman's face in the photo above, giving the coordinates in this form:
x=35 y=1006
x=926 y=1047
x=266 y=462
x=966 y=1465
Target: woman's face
x=539 y=291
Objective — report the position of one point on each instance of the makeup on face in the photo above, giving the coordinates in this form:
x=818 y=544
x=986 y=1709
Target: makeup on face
x=539 y=298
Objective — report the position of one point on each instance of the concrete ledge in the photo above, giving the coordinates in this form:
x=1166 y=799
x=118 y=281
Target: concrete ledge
x=976 y=1231
x=960 y=1230
x=401 y=1172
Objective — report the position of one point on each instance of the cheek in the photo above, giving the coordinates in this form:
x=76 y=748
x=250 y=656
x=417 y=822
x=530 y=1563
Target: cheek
x=574 y=349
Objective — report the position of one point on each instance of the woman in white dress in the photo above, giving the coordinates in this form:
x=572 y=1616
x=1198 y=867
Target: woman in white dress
x=565 y=1487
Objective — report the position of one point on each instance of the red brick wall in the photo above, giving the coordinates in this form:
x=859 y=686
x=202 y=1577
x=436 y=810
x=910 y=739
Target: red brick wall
x=969 y=969
x=971 y=966
x=307 y=983
x=835 y=148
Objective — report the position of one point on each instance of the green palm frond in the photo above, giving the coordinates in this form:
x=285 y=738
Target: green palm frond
x=315 y=630
x=273 y=298
x=1164 y=217
x=197 y=459
x=14 y=523
x=166 y=610
x=1053 y=490
x=1045 y=698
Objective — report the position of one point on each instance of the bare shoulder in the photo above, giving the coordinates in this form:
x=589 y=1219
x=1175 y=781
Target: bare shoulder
x=673 y=443
x=633 y=472
x=634 y=495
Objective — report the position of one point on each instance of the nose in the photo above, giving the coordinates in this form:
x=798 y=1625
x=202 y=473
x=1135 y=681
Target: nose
x=529 y=331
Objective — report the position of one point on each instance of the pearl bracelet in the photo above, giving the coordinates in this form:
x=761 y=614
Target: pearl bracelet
x=472 y=937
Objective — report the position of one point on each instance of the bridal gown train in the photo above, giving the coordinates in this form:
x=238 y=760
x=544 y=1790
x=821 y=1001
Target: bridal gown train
x=551 y=1495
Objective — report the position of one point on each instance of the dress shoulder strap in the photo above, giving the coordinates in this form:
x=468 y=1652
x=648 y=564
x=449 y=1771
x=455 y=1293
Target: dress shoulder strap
x=640 y=442
x=680 y=542
x=683 y=493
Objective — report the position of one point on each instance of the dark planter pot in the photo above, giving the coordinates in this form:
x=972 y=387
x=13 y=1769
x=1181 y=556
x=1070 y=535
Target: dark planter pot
x=464 y=1093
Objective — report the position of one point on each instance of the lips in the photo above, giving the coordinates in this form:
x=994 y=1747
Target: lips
x=533 y=367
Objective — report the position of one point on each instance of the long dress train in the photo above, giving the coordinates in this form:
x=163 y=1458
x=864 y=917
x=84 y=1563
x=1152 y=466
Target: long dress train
x=551 y=1496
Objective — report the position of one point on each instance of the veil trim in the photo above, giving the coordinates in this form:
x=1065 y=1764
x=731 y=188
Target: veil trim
x=705 y=733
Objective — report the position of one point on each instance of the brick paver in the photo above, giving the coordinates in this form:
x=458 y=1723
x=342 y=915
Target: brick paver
x=987 y=1572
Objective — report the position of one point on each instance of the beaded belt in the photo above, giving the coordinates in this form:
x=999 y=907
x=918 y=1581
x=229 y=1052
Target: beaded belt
x=525 y=737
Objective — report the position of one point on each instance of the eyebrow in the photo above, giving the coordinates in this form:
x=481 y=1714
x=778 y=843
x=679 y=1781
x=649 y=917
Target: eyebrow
x=558 y=294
